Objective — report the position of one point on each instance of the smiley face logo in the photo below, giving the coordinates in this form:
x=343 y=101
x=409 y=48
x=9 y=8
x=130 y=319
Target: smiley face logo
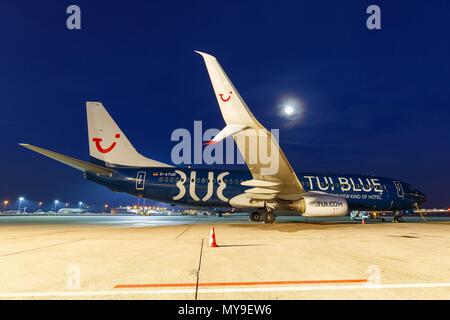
x=221 y=95
x=105 y=150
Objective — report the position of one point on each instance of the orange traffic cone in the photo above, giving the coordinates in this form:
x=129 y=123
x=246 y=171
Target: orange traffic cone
x=363 y=221
x=212 y=238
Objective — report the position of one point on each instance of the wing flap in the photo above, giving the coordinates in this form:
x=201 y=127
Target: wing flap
x=262 y=191
x=260 y=183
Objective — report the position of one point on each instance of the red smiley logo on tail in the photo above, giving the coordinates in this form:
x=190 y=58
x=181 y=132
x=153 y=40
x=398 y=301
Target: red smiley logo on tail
x=225 y=99
x=105 y=150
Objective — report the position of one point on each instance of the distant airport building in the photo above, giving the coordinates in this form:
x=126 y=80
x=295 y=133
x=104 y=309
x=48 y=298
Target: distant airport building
x=142 y=210
x=71 y=211
x=123 y=210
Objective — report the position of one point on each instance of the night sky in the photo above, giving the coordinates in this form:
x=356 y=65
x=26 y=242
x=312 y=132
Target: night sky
x=376 y=102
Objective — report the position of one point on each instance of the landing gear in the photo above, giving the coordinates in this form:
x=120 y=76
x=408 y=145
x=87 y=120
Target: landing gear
x=398 y=217
x=269 y=217
x=255 y=216
x=265 y=217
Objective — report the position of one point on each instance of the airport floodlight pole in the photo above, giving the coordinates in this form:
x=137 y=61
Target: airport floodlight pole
x=56 y=203
x=20 y=203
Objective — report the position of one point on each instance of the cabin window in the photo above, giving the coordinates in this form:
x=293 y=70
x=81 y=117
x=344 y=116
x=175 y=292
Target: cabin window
x=203 y=180
x=236 y=181
x=171 y=179
x=198 y=180
x=177 y=179
x=357 y=186
x=166 y=179
x=161 y=179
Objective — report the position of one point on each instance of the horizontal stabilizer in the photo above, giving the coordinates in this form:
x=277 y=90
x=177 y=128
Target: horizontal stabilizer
x=72 y=162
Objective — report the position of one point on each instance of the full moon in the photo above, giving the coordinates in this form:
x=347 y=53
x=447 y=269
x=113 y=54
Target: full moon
x=291 y=110
x=288 y=110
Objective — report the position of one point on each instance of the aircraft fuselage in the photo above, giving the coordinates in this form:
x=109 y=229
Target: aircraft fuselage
x=215 y=187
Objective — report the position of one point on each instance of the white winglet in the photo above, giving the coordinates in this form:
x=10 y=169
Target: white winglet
x=259 y=148
x=233 y=108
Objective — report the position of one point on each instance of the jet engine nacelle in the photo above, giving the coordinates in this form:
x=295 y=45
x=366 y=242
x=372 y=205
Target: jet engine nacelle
x=320 y=206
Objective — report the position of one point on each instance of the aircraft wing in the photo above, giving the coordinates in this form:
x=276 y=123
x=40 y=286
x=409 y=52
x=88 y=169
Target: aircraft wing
x=72 y=162
x=273 y=176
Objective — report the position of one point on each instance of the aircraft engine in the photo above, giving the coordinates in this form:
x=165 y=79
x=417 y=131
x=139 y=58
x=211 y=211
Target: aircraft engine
x=320 y=206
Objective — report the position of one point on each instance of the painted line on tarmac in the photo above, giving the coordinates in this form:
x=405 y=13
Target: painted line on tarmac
x=221 y=290
x=241 y=283
x=39 y=248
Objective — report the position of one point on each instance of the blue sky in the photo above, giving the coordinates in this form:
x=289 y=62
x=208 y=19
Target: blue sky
x=376 y=102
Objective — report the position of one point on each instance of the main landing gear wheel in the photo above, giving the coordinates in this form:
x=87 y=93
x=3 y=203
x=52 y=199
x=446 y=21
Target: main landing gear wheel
x=269 y=217
x=255 y=216
x=398 y=217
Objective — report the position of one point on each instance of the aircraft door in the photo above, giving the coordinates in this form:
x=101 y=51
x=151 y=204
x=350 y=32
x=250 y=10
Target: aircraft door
x=140 y=180
x=399 y=188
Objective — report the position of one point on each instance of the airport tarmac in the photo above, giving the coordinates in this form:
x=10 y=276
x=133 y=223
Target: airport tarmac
x=134 y=257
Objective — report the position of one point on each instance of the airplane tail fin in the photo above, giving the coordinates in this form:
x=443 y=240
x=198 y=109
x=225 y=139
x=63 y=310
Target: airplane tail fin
x=108 y=145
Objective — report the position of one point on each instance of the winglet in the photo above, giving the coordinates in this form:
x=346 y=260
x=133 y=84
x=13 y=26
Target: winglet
x=205 y=55
x=232 y=106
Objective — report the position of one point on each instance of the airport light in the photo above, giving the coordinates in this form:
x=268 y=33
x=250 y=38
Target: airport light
x=67 y=204
x=56 y=203
x=40 y=204
x=80 y=204
x=5 y=203
x=21 y=199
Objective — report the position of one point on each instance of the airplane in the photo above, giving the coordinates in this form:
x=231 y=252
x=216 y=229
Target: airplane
x=115 y=163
